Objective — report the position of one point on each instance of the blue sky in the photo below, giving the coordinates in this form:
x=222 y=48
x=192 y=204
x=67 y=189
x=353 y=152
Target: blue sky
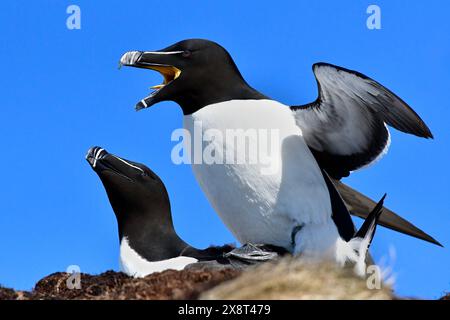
x=62 y=93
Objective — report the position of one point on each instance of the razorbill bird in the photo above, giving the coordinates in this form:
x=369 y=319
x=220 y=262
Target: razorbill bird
x=343 y=130
x=148 y=241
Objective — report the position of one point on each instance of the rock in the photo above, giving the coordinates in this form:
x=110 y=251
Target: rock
x=285 y=279
x=170 y=284
x=7 y=294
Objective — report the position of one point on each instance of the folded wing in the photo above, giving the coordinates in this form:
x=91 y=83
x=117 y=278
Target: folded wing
x=360 y=205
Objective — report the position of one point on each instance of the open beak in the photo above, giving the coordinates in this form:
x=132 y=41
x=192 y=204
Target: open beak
x=161 y=61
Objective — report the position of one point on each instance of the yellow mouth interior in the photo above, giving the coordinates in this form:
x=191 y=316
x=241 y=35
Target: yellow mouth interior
x=169 y=73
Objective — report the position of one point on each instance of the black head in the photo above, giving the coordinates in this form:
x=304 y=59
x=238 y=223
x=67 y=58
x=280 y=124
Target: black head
x=196 y=73
x=137 y=195
x=141 y=204
x=131 y=186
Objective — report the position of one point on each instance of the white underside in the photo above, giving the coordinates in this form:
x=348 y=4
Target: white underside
x=263 y=208
x=132 y=264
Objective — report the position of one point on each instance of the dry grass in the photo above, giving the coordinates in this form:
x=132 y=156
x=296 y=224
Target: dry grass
x=291 y=279
x=286 y=279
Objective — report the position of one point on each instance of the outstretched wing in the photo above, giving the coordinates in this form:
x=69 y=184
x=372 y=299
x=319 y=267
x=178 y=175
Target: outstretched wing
x=345 y=127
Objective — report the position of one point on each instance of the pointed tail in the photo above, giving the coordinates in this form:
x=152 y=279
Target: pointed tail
x=367 y=230
x=358 y=246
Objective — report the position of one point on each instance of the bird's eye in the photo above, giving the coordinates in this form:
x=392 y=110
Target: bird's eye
x=186 y=53
x=144 y=174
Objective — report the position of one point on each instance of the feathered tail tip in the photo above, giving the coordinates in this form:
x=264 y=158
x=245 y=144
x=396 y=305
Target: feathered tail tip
x=355 y=251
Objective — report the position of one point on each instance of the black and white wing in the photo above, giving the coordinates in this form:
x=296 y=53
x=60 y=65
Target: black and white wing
x=345 y=127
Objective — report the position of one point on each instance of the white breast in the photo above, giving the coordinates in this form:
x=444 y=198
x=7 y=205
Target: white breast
x=134 y=265
x=256 y=207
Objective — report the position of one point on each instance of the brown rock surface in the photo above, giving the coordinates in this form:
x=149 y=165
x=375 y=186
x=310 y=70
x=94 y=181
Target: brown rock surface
x=186 y=284
x=286 y=279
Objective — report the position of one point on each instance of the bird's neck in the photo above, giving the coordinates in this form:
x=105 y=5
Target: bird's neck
x=229 y=88
x=153 y=238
